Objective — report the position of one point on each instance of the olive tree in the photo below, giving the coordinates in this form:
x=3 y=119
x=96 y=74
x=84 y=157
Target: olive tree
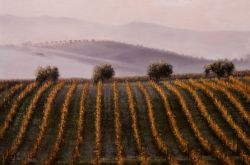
x=47 y=73
x=221 y=68
x=159 y=70
x=103 y=72
x=207 y=70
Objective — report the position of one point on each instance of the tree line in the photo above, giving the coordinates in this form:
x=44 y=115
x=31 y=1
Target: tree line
x=155 y=71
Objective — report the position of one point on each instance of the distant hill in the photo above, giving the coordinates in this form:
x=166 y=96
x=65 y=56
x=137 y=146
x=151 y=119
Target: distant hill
x=127 y=58
x=77 y=59
x=212 y=45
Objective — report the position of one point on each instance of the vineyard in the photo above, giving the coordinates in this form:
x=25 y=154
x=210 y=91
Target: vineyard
x=189 y=121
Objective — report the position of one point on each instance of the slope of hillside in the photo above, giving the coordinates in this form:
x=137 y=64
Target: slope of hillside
x=132 y=56
x=62 y=123
x=77 y=59
x=208 y=44
x=16 y=63
x=217 y=44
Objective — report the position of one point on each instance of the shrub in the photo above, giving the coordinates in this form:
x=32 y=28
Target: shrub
x=103 y=72
x=47 y=73
x=221 y=68
x=159 y=70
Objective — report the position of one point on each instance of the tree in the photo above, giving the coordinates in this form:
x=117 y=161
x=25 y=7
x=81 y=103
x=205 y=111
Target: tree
x=221 y=68
x=47 y=73
x=207 y=70
x=103 y=72
x=229 y=67
x=159 y=70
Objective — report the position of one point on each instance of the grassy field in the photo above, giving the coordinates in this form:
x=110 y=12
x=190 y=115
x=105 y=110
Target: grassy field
x=201 y=121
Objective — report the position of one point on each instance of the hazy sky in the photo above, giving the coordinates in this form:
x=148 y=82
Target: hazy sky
x=192 y=14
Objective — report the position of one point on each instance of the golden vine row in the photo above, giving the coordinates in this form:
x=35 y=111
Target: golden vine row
x=235 y=87
x=61 y=127
x=98 y=113
x=25 y=121
x=20 y=98
x=79 y=138
x=244 y=114
x=203 y=141
x=226 y=116
x=161 y=145
x=230 y=143
x=117 y=123
x=183 y=145
x=44 y=124
x=7 y=96
x=217 y=130
x=194 y=155
x=143 y=156
x=239 y=83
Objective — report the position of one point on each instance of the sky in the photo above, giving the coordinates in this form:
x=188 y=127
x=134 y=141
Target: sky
x=190 y=14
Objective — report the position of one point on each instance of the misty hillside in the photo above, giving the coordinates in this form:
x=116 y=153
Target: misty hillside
x=218 y=44
x=77 y=59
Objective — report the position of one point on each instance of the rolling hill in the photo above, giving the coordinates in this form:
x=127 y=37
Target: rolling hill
x=77 y=59
x=206 y=44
